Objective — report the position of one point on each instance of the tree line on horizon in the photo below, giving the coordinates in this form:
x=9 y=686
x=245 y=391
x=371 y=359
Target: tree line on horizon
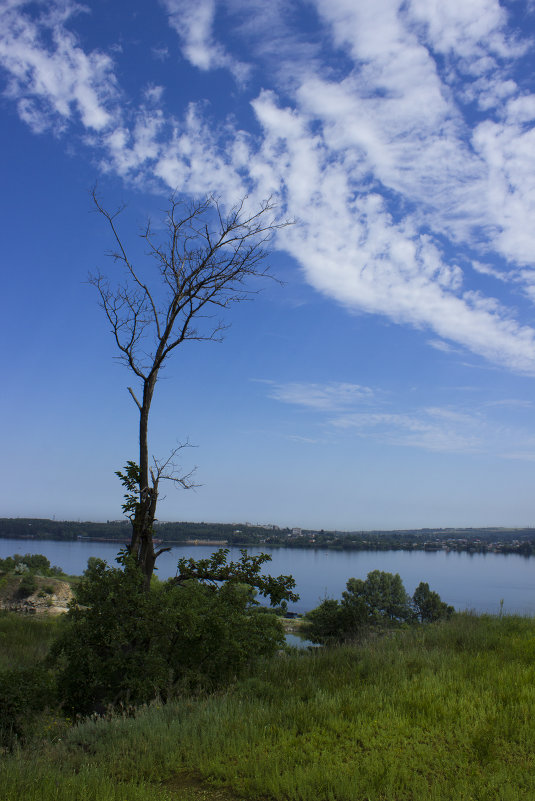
x=238 y=534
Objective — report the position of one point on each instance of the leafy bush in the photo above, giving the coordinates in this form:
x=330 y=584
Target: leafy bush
x=124 y=645
x=27 y=586
x=30 y=562
x=428 y=606
x=378 y=601
x=23 y=693
x=329 y=622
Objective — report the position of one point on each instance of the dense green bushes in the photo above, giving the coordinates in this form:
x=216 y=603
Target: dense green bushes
x=29 y=563
x=123 y=645
x=378 y=601
x=27 y=687
x=427 y=605
x=23 y=694
x=27 y=586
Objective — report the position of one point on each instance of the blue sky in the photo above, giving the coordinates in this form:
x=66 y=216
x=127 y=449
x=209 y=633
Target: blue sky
x=389 y=383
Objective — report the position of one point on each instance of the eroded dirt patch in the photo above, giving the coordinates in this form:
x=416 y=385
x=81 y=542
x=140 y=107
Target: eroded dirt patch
x=191 y=787
x=51 y=596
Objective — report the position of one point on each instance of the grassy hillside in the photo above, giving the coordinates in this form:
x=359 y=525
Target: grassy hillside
x=439 y=712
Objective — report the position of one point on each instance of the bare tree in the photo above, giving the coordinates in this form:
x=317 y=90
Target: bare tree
x=201 y=266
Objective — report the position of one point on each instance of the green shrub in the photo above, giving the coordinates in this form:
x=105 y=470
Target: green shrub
x=32 y=562
x=27 y=586
x=328 y=622
x=124 y=645
x=379 y=601
x=23 y=694
x=47 y=589
x=428 y=606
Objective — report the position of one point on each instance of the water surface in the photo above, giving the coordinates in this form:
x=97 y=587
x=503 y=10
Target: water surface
x=466 y=581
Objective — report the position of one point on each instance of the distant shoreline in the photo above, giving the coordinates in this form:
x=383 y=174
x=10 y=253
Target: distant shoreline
x=496 y=541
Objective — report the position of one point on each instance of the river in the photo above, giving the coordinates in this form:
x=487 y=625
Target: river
x=466 y=581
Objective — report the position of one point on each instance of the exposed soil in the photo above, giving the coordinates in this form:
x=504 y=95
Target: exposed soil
x=190 y=787
x=50 y=597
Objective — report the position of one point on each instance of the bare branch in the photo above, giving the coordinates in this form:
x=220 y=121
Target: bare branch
x=205 y=262
x=138 y=404
x=121 y=255
x=168 y=470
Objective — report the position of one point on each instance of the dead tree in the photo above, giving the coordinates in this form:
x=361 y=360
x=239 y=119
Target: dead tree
x=202 y=264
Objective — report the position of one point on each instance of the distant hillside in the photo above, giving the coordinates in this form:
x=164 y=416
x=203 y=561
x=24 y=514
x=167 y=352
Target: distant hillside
x=44 y=529
x=473 y=540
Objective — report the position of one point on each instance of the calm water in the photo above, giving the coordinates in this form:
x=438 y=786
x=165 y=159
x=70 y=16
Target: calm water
x=464 y=580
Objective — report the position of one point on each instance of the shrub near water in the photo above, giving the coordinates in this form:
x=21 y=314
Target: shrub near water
x=30 y=562
x=123 y=645
x=378 y=602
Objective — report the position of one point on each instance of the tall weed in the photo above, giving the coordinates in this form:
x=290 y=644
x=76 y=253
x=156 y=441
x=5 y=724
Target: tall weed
x=438 y=712
x=25 y=640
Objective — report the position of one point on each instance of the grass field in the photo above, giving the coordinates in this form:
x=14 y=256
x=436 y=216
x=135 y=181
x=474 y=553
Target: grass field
x=439 y=712
x=25 y=640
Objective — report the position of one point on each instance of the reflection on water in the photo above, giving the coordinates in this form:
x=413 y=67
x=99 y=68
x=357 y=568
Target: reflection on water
x=466 y=581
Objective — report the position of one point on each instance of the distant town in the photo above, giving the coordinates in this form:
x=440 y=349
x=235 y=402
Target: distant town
x=471 y=540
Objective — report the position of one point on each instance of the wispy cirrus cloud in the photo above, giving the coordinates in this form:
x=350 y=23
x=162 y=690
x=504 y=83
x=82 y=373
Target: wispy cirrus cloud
x=366 y=135
x=50 y=75
x=430 y=429
x=321 y=397
x=439 y=344
x=364 y=412
x=194 y=25
x=511 y=402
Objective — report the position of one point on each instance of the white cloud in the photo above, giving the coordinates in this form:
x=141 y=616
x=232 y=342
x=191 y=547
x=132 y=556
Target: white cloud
x=160 y=53
x=371 y=413
x=428 y=430
x=153 y=94
x=194 y=22
x=194 y=158
x=511 y=402
x=377 y=159
x=322 y=397
x=509 y=194
x=524 y=456
x=469 y=30
x=439 y=344
x=486 y=269
x=49 y=81
x=444 y=430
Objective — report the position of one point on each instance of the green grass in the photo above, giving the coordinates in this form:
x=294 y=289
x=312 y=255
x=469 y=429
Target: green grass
x=25 y=640
x=434 y=713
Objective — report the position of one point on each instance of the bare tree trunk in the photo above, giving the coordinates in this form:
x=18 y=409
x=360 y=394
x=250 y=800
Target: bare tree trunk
x=142 y=543
x=203 y=265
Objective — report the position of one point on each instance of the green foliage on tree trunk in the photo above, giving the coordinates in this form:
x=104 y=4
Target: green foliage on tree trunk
x=123 y=644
